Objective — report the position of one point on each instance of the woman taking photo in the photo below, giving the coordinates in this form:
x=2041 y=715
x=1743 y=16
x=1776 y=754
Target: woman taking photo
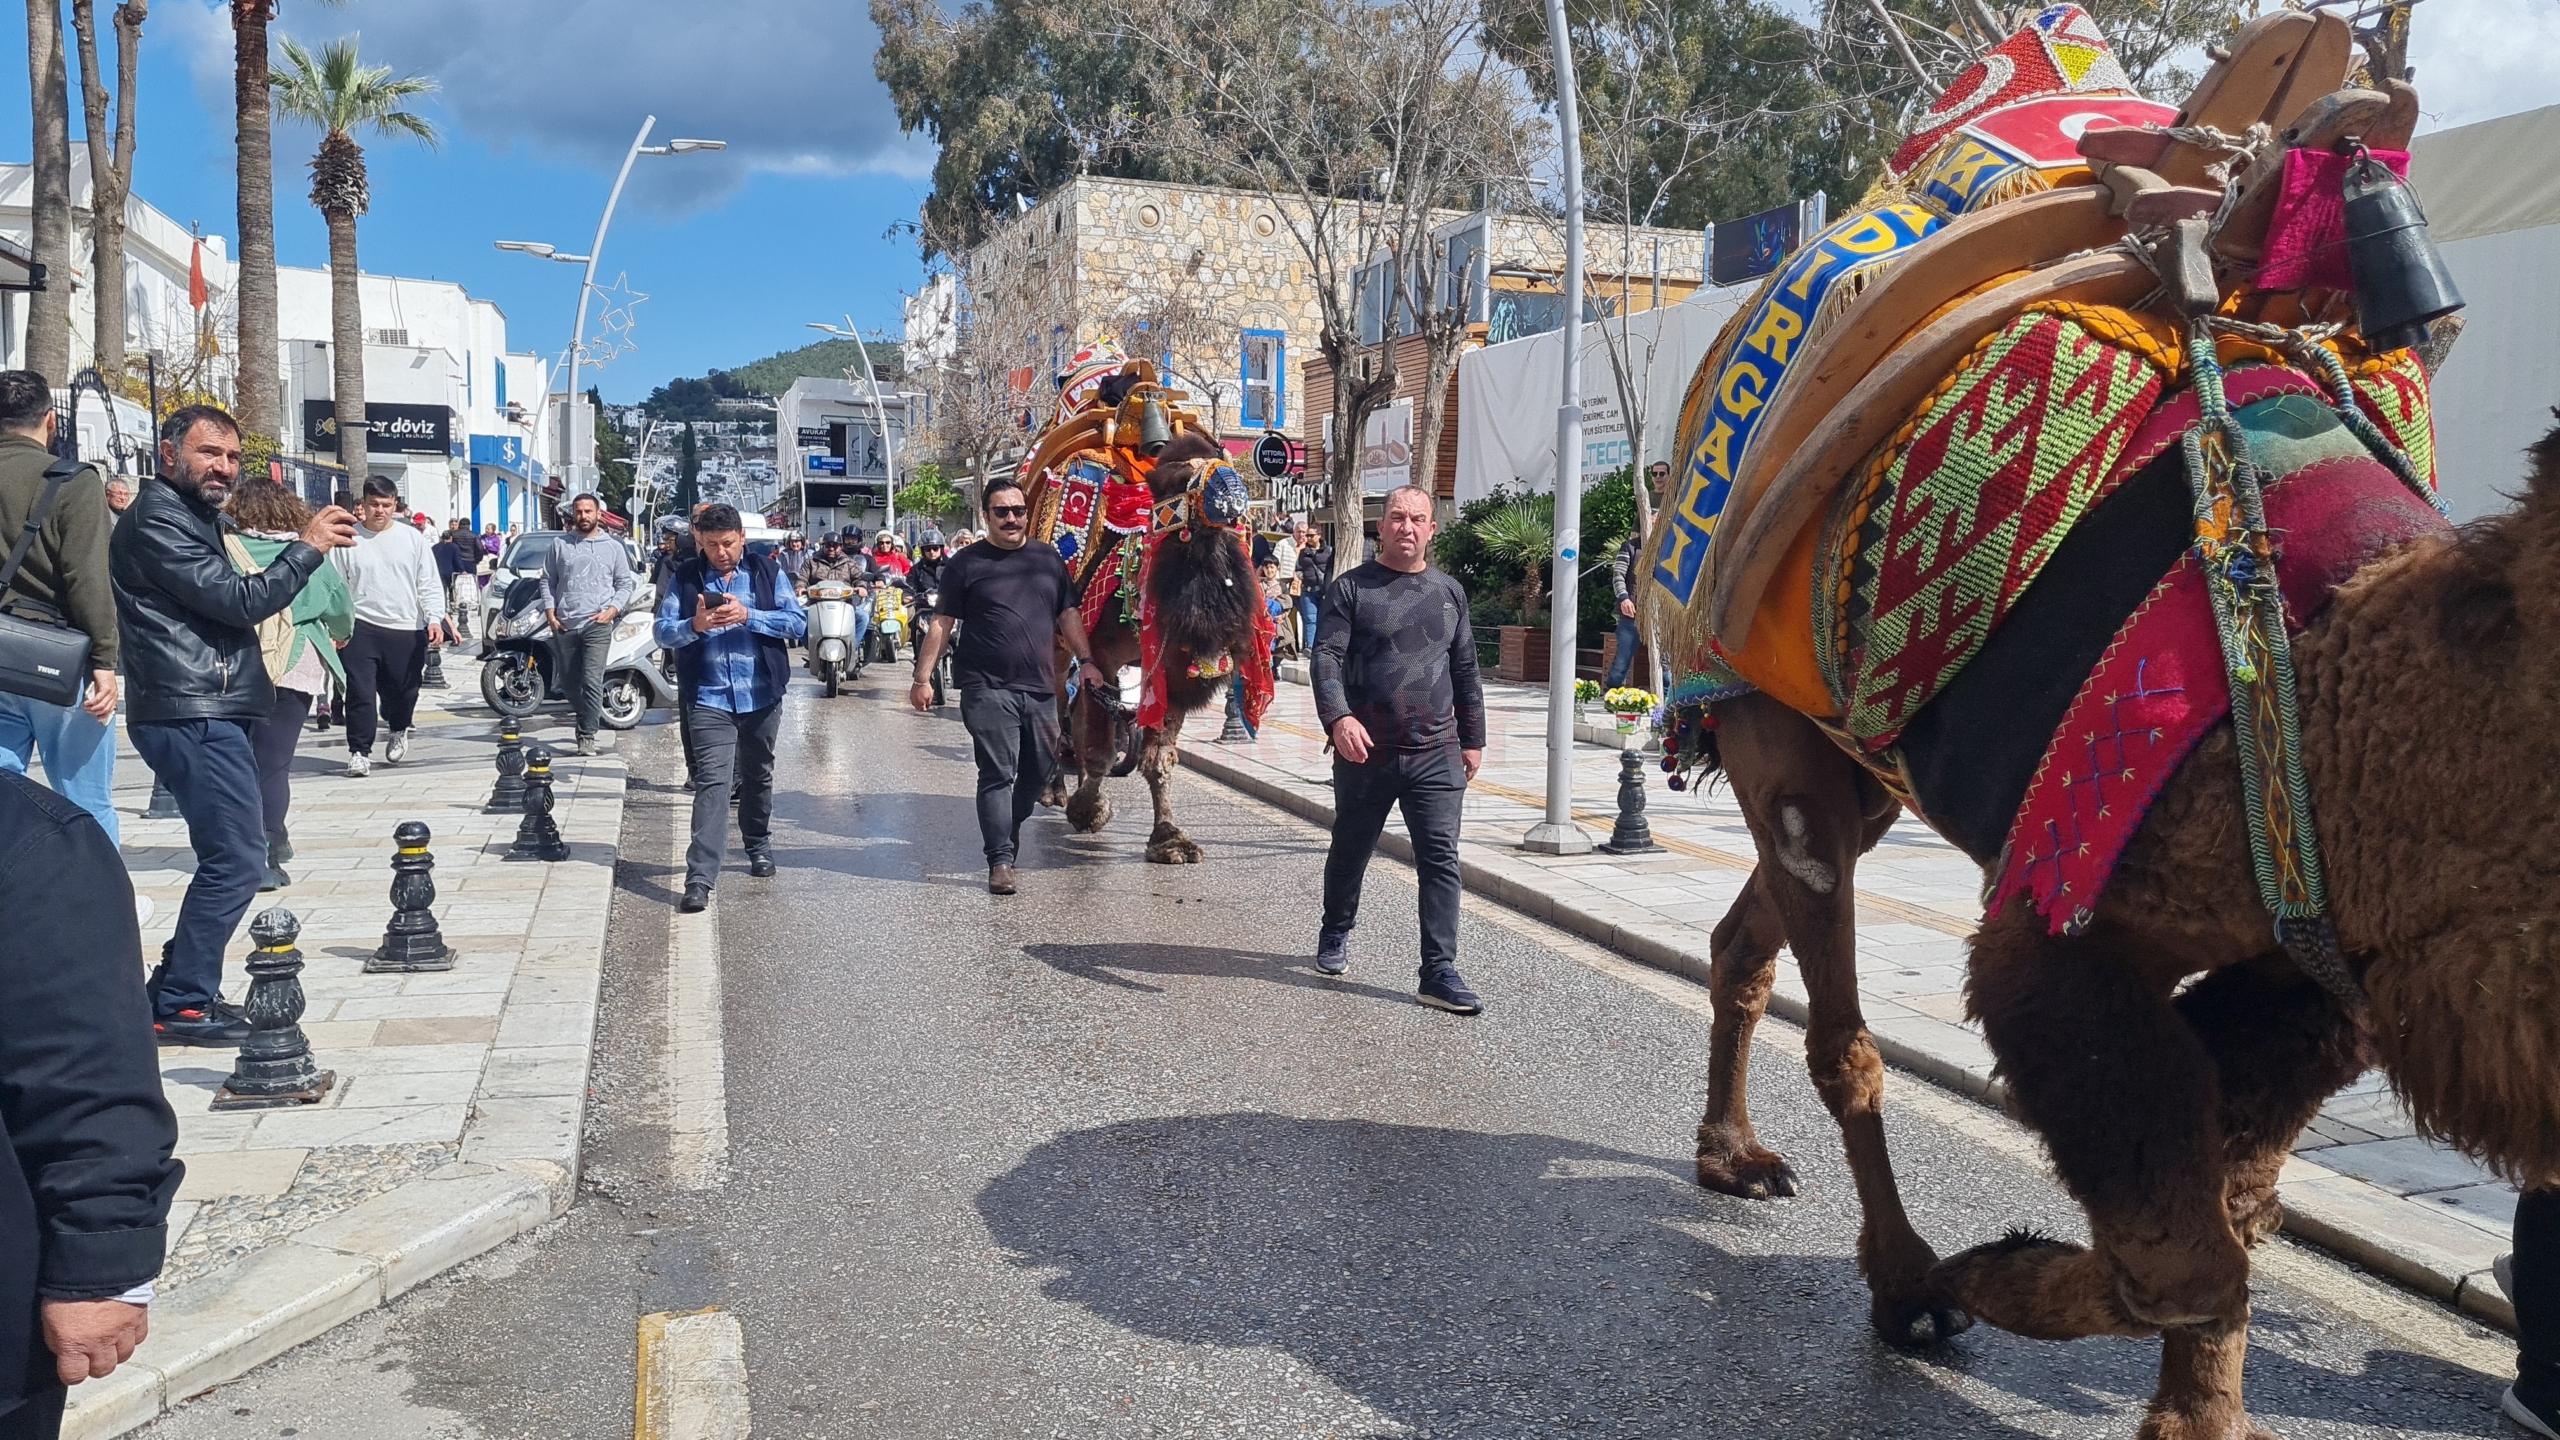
x=302 y=657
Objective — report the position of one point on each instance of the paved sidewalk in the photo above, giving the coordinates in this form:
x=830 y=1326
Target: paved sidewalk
x=454 y=1122
x=2361 y=1183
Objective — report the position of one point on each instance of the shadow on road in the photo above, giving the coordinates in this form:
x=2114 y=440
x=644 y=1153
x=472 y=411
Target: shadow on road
x=1525 y=1285
x=1113 y=964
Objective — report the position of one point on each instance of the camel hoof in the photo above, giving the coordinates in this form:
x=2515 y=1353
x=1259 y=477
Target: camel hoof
x=1171 y=847
x=1055 y=797
x=2182 y=1427
x=1919 y=1322
x=1749 y=1172
x=1085 y=815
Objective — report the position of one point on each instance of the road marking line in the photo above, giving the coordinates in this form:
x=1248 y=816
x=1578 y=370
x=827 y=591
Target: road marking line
x=692 y=1377
x=697 y=1062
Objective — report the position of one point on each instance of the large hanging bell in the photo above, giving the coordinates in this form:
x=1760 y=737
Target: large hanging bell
x=2400 y=278
x=1154 y=431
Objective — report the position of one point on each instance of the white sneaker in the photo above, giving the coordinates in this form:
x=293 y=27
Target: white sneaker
x=398 y=749
x=359 y=766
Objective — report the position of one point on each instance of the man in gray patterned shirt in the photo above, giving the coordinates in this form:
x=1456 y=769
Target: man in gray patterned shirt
x=1396 y=690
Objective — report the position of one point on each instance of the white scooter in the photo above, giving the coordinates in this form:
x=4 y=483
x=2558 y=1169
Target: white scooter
x=830 y=604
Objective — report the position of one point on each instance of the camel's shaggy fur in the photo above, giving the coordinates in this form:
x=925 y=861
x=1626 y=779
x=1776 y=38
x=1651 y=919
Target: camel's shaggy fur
x=2169 y=1106
x=1207 y=596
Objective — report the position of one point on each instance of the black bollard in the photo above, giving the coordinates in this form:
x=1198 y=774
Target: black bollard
x=274 y=1068
x=163 y=806
x=508 y=797
x=433 y=678
x=412 y=941
x=1632 y=835
x=538 y=838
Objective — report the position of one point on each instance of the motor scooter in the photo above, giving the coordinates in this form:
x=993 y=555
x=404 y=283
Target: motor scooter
x=525 y=664
x=832 y=657
x=890 y=620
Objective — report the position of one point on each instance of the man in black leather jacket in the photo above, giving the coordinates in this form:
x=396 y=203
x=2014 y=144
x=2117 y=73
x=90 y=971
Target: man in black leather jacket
x=196 y=682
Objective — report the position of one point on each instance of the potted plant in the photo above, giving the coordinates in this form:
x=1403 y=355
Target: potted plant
x=1586 y=693
x=1630 y=704
x=1519 y=539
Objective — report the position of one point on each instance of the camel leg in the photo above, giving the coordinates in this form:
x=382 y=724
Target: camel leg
x=1054 y=794
x=1167 y=845
x=1731 y=1159
x=2280 y=1046
x=1088 y=810
x=2100 y=1063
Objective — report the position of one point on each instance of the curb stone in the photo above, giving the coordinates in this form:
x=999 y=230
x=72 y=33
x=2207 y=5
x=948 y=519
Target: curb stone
x=2338 y=1213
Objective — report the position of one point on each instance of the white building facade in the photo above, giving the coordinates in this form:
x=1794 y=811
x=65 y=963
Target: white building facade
x=828 y=441
x=159 y=319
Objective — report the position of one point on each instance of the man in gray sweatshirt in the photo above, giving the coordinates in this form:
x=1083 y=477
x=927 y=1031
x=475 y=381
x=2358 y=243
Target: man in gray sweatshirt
x=586 y=585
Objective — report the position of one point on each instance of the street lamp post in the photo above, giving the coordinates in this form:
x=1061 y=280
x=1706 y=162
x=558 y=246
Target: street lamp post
x=879 y=416
x=1557 y=834
x=595 y=252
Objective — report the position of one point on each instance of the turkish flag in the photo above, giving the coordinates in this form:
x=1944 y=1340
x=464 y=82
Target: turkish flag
x=196 y=292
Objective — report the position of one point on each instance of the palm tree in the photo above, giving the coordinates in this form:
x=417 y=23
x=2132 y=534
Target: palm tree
x=259 y=397
x=341 y=94
x=48 y=92
x=110 y=169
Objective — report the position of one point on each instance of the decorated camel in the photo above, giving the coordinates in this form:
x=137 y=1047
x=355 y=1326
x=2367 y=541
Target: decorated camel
x=2077 y=492
x=1141 y=497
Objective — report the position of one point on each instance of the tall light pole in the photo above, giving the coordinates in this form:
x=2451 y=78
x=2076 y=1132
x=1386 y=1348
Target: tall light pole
x=578 y=333
x=879 y=416
x=1557 y=834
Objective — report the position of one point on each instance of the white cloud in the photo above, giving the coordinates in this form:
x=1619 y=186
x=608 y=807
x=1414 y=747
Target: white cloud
x=787 y=83
x=2479 y=59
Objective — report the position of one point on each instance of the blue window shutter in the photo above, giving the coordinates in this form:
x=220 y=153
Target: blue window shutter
x=1248 y=414
x=502 y=383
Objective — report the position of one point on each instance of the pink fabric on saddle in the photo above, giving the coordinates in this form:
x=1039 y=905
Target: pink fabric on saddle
x=2307 y=237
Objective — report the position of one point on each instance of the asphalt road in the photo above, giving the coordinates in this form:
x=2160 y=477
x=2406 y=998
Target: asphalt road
x=1109 y=1158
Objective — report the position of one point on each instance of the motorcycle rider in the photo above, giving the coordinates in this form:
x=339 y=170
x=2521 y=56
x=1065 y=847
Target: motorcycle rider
x=886 y=557
x=924 y=588
x=834 y=562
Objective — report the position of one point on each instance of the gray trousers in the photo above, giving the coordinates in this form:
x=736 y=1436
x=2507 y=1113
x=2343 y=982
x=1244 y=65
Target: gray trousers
x=1016 y=739
x=587 y=649
x=727 y=748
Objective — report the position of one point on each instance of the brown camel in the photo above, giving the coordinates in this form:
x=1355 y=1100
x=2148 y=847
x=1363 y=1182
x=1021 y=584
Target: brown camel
x=2169 y=1106
x=1206 y=598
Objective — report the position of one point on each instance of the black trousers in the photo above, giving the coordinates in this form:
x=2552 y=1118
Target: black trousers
x=38 y=1417
x=383 y=670
x=2537 y=1282
x=1431 y=788
x=1016 y=739
x=727 y=747
x=272 y=740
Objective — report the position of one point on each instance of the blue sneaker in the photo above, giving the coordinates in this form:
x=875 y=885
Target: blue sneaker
x=1333 y=956
x=1446 y=989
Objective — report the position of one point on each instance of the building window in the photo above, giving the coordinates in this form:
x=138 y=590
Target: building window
x=1265 y=379
x=502 y=384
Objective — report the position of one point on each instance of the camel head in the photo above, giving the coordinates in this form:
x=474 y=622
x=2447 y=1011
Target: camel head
x=1205 y=589
x=1195 y=465
x=2454 y=655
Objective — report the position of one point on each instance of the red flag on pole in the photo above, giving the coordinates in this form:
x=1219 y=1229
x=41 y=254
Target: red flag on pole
x=196 y=293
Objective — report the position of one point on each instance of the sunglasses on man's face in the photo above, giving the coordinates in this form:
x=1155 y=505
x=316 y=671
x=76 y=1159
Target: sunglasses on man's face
x=1008 y=512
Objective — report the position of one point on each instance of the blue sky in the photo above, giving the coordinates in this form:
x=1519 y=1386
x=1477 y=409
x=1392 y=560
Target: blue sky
x=540 y=97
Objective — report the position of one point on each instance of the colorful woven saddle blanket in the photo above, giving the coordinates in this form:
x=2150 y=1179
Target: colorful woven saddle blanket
x=2039 y=749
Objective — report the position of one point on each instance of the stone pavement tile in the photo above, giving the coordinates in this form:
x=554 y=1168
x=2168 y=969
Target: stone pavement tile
x=469 y=976
x=2407 y=1166
x=1947 y=1006
x=422 y=1007
x=554 y=987
x=408 y=1059
x=536 y=1070
x=2492 y=1206
x=250 y=1311
x=2416 y=1246
x=202 y=1131
x=214 y=1174
x=334 y=1034
x=2323 y=1131
x=416 y=1087
x=534 y=1127
x=2375 y=1111
x=430 y=1225
x=555 y=1024
x=1893 y=982
x=436 y=1033
x=388 y=1125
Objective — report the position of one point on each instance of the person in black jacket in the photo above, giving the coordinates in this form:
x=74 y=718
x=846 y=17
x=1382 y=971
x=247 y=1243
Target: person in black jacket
x=197 y=683
x=86 y=1185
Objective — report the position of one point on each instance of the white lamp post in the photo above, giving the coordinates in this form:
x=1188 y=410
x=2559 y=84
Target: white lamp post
x=1557 y=834
x=578 y=334
x=879 y=416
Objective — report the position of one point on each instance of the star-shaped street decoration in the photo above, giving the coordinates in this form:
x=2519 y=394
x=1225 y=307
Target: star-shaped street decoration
x=613 y=323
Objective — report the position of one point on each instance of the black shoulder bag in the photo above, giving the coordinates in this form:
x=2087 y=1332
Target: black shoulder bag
x=41 y=656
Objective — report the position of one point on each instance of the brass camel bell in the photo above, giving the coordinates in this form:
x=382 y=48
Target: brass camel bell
x=1154 y=432
x=2400 y=278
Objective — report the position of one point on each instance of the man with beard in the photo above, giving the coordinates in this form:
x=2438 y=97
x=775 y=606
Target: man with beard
x=197 y=683
x=586 y=582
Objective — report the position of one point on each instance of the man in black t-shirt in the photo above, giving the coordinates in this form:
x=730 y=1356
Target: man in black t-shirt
x=1012 y=602
x=1396 y=689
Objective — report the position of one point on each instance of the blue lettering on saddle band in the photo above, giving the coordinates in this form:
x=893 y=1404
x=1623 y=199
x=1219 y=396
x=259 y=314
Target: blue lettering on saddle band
x=1764 y=346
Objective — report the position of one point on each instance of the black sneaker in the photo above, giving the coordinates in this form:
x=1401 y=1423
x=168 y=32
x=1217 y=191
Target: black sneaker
x=2535 y=1407
x=697 y=898
x=1333 y=955
x=1446 y=989
x=217 y=1027
x=760 y=863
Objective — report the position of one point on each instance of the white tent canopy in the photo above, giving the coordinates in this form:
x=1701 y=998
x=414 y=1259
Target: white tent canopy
x=1508 y=393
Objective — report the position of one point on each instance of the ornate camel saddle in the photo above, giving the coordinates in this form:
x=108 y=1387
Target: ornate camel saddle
x=2010 y=477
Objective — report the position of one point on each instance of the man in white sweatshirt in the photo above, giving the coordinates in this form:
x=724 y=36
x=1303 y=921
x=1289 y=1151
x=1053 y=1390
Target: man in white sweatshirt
x=391 y=570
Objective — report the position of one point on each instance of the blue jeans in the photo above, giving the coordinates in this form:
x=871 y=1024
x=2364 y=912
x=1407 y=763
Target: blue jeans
x=1307 y=623
x=1626 y=657
x=212 y=769
x=862 y=632
x=79 y=753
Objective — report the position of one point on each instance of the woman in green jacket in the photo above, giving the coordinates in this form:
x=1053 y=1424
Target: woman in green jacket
x=302 y=660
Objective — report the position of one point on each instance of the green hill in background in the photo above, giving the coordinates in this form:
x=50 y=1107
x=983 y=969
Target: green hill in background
x=692 y=398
